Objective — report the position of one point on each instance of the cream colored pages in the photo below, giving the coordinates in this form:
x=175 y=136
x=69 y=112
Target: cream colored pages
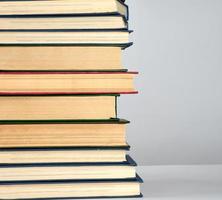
x=62 y=135
x=58 y=7
x=106 y=37
x=65 y=156
x=66 y=173
x=99 y=189
x=57 y=107
x=79 y=83
x=106 y=22
x=60 y=58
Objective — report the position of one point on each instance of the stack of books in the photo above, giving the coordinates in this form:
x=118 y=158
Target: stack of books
x=60 y=78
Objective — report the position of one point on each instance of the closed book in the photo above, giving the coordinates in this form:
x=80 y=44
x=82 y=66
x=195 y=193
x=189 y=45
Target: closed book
x=63 y=23
x=45 y=107
x=63 y=7
x=74 y=133
x=81 y=189
x=66 y=37
x=60 y=58
x=67 y=82
x=67 y=171
x=72 y=154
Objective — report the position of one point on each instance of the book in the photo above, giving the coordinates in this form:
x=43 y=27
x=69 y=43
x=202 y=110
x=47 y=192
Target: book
x=67 y=82
x=64 y=7
x=45 y=107
x=66 y=37
x=71 y=133
x=24 y=155
x=60 y=77
x=60 y=58
x=68 y=171
x=63 y=23
x=71 y=189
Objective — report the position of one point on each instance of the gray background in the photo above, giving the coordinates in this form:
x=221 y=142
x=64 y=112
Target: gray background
x=176 y=118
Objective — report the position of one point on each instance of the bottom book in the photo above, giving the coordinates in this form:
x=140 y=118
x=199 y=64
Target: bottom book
x=71 y=189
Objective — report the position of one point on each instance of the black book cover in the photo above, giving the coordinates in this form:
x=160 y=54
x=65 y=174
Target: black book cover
x=122 y=46
x=136 y=179
x=71 y=148
x=129 y=162
x=66 y=121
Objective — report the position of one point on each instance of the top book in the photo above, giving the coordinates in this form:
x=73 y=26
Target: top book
x=63 y=7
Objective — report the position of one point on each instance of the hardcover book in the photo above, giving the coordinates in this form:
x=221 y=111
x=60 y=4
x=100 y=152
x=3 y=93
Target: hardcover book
x=67 y=171
x=63 y=23
x=121 y=188
x=66 y=107
x=66 y=37
x=63 y=133
x=67 y=82
x=63 y=7
x=72 y=154
x=60 y=58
